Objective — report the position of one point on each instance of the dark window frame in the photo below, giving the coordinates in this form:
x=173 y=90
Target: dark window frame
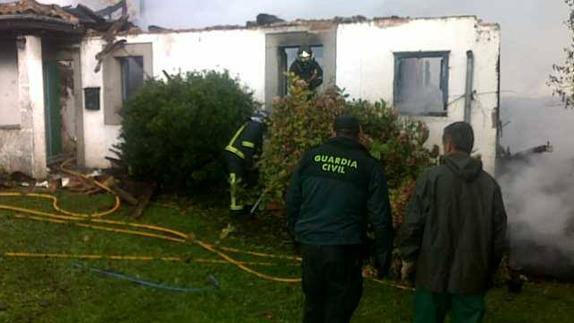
x=444 y=80
x=129 y=90
x=112 y=96
x=297 y=36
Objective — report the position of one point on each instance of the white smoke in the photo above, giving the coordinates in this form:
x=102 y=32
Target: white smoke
x=539 y=191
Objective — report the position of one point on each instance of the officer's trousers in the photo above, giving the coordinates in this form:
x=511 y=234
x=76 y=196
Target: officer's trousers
x=237 y=173
x=332 y=282
x=433 y=307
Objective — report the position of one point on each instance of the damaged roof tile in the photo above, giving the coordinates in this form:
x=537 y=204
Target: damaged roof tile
x=33 y=8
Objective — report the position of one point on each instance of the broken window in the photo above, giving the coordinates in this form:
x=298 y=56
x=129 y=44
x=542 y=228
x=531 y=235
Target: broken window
x=421 y=83
x=125 y=71
x=281 y=52
x=9 y=104
x=287 y=55
x=132 y=74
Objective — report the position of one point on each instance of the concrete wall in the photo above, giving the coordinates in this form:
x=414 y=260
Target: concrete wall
x=23 y=147
x=365 y=68
x=241 y=52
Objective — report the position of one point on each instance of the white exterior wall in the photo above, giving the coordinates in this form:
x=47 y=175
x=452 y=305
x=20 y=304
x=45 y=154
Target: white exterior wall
x=98 y=138
x=241 y=52
x=366 y=63
x=23 y=145
x=30 y=68
x=365 y=69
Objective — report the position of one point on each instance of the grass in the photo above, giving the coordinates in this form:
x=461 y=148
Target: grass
x=54 y=290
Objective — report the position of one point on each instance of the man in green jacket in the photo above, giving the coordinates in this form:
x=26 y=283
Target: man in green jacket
x=454 y=233
x=337 y=189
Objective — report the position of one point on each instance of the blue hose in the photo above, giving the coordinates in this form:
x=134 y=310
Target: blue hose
x=212 y=281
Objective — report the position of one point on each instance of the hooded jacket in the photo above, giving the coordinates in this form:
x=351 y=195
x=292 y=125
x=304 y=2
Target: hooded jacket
x=455 y=227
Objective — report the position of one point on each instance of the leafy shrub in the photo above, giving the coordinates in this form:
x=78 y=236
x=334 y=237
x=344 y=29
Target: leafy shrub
x=301 y=120
x=174 y=131
x=297 y=123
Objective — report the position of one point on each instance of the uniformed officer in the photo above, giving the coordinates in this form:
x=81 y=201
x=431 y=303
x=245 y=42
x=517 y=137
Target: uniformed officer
x=307 y=69
x=240 y=155
x=336 y=191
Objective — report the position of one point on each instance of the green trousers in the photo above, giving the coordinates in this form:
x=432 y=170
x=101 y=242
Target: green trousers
x=433 y=307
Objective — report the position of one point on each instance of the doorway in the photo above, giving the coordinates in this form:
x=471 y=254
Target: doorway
x=60 y=109
x=52 y=112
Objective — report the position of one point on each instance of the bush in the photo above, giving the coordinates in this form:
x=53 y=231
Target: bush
x=174 y=131
x=301 y=120
x=297 y=123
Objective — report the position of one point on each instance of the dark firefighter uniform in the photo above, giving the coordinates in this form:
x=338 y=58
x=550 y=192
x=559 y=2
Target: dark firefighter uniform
x=239 y=155
x=337 y=189
x=307 y=69
x=455 y=233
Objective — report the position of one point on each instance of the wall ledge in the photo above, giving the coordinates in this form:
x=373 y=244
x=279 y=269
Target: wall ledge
x=11 y=127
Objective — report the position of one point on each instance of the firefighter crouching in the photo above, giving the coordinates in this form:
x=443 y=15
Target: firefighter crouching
x=240 y=155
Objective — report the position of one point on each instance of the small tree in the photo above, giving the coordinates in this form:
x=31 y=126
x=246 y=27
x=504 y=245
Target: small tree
x=562 y=79
x=174 y=131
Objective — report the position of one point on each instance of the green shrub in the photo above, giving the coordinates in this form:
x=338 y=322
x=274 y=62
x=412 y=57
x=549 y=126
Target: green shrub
x=297 y=123
x=300 y=121
x=174 y=131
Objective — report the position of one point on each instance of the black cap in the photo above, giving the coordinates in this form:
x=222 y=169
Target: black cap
x=304 y=49
x=348 y=123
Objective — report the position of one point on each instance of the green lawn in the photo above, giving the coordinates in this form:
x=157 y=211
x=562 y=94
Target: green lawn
x=56 y=290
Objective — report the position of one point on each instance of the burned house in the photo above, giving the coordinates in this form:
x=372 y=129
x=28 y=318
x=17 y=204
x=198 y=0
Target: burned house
x=66 y=73
x=38 y=44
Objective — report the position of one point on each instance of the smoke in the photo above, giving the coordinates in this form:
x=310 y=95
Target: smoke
x=533 y=34
x=538 y=191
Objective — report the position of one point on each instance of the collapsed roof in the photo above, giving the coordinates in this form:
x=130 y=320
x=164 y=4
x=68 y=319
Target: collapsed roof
x=29 y=16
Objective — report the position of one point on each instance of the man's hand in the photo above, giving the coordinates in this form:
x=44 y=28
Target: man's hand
x=301 y=83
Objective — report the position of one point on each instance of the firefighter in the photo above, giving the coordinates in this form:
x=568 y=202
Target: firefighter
x=454 y=234
x=336 y=191
x=240 y=155
x=307 y=69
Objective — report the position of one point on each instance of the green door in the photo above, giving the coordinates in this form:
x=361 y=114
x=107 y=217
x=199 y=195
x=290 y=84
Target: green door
x=53 y=119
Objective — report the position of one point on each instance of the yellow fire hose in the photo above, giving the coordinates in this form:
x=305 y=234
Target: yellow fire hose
x=158 y=232
x=207 y=246
x=123 y=258
x=83 y=220
x=60 y=219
